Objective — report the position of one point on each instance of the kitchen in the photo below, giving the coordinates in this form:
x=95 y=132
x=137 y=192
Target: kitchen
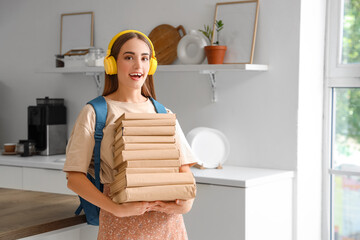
x=265 y=115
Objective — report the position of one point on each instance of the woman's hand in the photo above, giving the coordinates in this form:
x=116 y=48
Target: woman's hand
x=133 y=209
x=175 y=207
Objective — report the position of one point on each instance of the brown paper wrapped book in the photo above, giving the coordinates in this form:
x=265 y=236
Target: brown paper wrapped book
x=149 y=164
x=147 y=123
x=143 y=116
x=143 y=139
x=156 y=193
x=143 y=146
x=146 y=155
x=149 y=170
x=146 y=131
x=129 y=180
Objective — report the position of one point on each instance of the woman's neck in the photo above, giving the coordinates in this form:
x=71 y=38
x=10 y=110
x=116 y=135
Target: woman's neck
x=127 y=95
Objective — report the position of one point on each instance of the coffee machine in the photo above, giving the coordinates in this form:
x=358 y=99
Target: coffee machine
x=47 y=126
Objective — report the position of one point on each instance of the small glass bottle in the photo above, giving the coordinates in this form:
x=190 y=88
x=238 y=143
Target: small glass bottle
x=95 y=57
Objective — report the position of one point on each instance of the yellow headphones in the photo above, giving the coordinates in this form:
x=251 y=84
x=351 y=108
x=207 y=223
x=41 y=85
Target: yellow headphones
x=110 y=63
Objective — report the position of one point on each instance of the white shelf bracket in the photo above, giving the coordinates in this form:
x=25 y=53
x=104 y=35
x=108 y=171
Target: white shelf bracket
x=97 y=79
x=212 y=75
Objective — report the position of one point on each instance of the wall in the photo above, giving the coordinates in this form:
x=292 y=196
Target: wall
x=258 y=112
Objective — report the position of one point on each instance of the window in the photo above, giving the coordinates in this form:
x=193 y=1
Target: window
x=350 y=44
x=342 y=121
x=345 y=164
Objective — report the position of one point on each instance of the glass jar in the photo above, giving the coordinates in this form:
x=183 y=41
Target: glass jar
x=25 y=148
x=95 y=57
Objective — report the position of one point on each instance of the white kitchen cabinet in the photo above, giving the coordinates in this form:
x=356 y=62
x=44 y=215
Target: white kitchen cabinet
x=261 y=210
x=36 y=173
x=216 y=213
x=77 y=232
x=45 y=180
x=11 y=177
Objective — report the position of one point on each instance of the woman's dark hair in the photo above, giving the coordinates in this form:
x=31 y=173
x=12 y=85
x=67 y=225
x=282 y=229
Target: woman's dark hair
x=111 y=81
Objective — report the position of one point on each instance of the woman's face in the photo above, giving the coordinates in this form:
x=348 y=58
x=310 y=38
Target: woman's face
x=133 y=63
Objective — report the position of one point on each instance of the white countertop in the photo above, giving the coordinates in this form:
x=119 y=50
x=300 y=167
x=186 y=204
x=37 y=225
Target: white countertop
x=37 y=161
x=234 y=176
x=240 y=176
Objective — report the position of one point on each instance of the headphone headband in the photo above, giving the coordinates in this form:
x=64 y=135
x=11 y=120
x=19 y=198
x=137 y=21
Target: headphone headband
x=108 y=52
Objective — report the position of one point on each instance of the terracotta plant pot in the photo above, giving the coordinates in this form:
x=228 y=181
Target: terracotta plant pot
x=215 y=54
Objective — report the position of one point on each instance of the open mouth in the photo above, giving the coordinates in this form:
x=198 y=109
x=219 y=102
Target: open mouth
x=135 y=75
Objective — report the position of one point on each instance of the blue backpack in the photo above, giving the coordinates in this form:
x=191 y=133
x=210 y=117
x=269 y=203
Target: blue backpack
x=99 y=104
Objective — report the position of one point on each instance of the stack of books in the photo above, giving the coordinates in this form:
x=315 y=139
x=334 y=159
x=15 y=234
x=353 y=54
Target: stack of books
x=146 y=158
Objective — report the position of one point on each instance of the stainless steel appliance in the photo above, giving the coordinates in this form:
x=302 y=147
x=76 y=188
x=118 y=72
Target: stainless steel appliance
x=47 y=125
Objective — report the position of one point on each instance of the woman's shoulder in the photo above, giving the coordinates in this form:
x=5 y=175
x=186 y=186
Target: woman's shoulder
x=87 y=110
x=86 y=116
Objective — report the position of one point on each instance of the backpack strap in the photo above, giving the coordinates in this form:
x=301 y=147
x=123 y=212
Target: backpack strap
x=158 y=106
x=100 y=107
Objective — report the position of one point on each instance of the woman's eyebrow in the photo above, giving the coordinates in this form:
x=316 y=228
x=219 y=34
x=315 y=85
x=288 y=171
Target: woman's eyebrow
x=146 y=54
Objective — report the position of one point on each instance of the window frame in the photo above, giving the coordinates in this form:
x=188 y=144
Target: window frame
x=337 y=75
x=337 y=72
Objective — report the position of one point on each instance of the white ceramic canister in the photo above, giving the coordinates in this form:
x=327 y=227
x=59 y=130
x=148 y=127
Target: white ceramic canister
x=190 y=49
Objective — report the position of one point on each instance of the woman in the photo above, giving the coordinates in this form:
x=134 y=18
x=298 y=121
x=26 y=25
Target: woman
x=128 y=85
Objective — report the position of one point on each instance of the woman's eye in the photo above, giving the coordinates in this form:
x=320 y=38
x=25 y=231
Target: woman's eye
x=145 y=59
x=128 y=57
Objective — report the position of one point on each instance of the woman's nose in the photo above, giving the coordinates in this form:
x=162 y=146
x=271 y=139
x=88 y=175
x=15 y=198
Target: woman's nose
x=137 y=63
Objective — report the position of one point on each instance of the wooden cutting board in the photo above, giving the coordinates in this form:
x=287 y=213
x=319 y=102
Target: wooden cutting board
x=165 y=39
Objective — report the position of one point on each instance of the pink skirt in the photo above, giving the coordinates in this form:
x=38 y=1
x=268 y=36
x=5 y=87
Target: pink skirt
x=149 y=226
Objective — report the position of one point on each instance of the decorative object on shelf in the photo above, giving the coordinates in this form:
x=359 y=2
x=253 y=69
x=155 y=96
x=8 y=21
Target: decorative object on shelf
x=76 y=31
x=59 y=60
x=73 y=52
x=210 y=146
x=190 y=49
x=75 y=58
x=95 y=57
x=239 y=35
x=165 y=39
x=215 y=53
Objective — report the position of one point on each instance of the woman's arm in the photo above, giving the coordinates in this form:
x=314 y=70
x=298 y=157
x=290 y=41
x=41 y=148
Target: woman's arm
x=80 y=184
x=178 y=206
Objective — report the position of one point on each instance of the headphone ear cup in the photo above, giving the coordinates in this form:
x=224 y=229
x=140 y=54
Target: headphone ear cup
x=153 y=66
x=110 y=65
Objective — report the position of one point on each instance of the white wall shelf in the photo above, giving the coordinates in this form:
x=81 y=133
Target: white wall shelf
x=173 y=68
x=210 y=69
x=75 y=70
x=96 y=72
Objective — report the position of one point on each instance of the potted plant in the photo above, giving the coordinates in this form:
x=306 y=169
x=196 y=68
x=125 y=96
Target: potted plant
x=215 y=53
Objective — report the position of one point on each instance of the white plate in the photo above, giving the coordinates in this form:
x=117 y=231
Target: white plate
x=210 y=146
